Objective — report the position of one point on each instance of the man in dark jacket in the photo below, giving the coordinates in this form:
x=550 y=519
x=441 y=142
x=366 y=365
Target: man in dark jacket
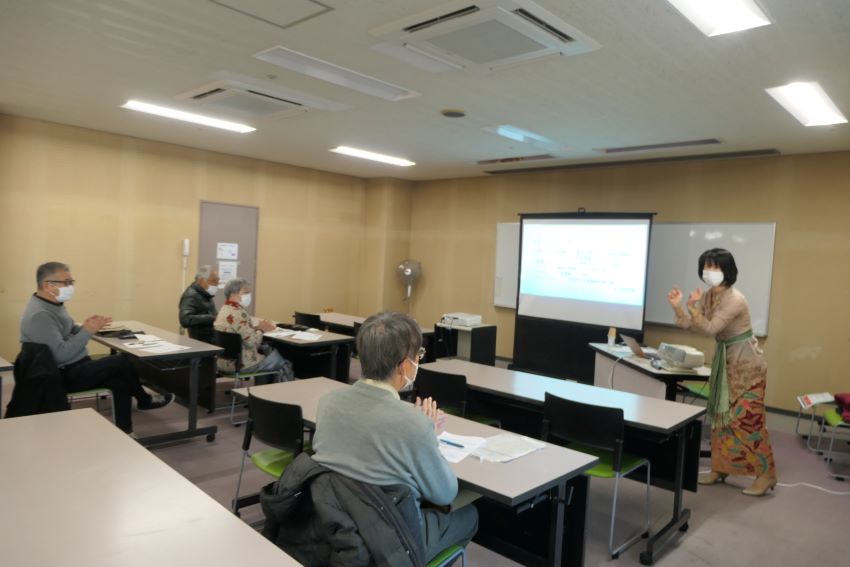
x=197 y=309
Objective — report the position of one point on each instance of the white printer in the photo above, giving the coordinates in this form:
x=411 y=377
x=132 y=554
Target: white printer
x=681 y=356
x=461 y=319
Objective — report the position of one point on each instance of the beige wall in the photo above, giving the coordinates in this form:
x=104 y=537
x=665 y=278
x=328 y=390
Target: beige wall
x=453 y=234
x=116 y=209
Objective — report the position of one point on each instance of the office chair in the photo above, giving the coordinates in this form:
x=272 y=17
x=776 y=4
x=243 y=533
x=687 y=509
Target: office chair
x=281 y=427
x=232 y=345
x=833 y=420
x=449 y=391
x=597 y=431
x=312 y=320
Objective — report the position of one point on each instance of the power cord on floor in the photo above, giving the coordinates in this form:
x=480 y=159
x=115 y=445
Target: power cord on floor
x=796 y=484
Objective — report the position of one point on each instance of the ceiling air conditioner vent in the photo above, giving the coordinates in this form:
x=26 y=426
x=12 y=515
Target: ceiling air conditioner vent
x=514 y=159
x=441 y=19
x=207 y=93
x=543 y=25
x=487 y=36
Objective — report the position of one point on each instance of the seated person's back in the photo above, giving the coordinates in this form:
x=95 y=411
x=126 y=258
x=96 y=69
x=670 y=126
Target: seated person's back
x=367 y=433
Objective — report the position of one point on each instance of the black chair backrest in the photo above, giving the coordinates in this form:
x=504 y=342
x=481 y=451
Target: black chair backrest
x=232 y=345
x=597 y=427
x=192 y=332
x=355 y=330
x=446 y=389
x=311 y=320
x=275 y=424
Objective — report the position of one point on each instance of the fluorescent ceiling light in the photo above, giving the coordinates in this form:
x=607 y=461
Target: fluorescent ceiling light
x=187 y=116
x=328 y=72
x=717 y=17
x=809 y=104
x=372 y=156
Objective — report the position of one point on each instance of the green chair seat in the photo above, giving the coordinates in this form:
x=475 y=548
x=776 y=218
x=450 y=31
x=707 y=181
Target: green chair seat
x=274 y=461
x=445 y=556
x=605 y=467
x=697 y=388
x=834 y=419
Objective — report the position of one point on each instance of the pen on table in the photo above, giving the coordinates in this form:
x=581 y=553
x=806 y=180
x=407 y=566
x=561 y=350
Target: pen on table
x=452 y=443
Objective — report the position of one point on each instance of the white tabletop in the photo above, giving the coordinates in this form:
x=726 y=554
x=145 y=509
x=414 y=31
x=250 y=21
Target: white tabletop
x=325 y=337
x=645 y=364
x=639 y=411
x=5 y=365
x=196 y=348
x=75 y=490
x=511 y=483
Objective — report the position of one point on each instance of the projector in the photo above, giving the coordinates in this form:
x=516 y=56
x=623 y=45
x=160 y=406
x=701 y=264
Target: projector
x=462 y=319
x=681 y=356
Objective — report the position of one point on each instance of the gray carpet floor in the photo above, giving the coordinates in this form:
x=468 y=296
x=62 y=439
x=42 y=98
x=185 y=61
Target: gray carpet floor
x=793 y=525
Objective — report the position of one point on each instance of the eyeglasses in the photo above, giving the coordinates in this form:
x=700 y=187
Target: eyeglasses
x=421 y=353
x=65 y=282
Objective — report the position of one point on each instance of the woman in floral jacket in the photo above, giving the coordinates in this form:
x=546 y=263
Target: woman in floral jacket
x=234 y=318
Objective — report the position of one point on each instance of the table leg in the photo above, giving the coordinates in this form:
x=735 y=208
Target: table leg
x=192 y=429
x=332 y=370
x=575 y=521
x=681 y=515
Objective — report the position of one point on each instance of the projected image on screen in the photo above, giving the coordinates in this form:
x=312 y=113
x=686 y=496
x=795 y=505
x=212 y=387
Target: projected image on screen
x=584 y=270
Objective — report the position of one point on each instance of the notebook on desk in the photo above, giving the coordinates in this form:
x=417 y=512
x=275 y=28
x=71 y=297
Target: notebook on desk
x=637 y=350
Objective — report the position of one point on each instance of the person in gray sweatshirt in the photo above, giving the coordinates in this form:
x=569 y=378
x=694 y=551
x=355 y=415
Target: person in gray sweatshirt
x=367 y=433
x=46 y=321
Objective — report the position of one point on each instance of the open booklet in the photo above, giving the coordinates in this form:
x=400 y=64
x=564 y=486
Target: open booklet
x=497 y=449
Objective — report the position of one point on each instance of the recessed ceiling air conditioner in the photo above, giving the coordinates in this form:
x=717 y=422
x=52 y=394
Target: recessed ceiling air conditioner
x=250 y=99
x=480 y=35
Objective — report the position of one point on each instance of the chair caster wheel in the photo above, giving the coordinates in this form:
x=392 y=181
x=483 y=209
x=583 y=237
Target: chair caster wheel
x=615 y=556
x=684 y=527
x=210 y=437
x=645 y=535
x=646 y=558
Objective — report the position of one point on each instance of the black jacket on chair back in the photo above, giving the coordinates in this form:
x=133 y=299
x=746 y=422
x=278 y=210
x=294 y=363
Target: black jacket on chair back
x=321 y=517
x=39 y=387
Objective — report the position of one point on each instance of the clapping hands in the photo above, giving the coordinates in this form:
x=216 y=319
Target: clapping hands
x=429 y=407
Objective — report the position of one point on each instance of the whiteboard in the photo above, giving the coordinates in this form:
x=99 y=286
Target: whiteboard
x=507 y=264
x=673 y=252
x=674 y=249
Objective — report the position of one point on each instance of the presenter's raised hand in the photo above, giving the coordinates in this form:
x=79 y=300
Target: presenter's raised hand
x=675 y=297
x=695 y=296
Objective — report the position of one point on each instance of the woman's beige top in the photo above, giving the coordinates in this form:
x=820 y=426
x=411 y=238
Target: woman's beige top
x=723 y=313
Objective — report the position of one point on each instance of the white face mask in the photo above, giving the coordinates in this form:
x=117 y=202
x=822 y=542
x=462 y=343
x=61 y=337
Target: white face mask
x=65 y=293
x=245 y=301
x=408 y=382
x=712 y=277
x=212 y=289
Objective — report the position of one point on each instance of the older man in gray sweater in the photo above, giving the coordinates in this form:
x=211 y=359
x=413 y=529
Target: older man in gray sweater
x=367 y=433
x=45 y=321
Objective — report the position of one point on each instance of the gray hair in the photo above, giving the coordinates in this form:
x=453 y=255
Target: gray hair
x=234 y=286
x=203 y=272
x=384 y=341
x=47 y=270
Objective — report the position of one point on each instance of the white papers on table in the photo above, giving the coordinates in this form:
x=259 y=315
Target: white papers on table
x=163 y=347
x=281 y=333
x=507 y=447
x=145 y=341
x=305 y=336
x=810 y=400
x=457 y=447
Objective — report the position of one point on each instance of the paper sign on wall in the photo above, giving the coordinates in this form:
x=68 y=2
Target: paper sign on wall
x=227 y=251
x=227 y=270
